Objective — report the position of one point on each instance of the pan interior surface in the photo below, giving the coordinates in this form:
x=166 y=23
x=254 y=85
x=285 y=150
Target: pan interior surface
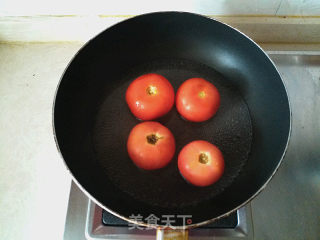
x=230 y=129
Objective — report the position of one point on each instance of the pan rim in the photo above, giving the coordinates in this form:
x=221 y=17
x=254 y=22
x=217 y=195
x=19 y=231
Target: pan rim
x=160 y=226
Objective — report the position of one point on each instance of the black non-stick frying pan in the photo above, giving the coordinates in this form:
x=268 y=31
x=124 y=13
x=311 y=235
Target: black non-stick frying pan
x=92 y=121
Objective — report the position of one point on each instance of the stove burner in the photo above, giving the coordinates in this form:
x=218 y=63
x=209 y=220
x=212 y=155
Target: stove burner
x=86 y=220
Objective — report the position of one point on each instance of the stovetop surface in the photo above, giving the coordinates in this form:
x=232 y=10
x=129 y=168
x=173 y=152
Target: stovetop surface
x=236 y=226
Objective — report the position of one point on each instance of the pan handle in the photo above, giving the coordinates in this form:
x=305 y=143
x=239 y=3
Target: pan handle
x=171 y=234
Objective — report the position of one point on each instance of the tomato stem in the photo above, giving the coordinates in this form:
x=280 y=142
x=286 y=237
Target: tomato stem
x=203 y=158
x=151 y=90
x=202 y=94
x=153 y=139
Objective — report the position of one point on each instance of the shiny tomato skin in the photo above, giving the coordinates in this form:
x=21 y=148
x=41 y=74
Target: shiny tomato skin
x=195 y=172
x=150 y=96
x=197 y=100
x=154 y=155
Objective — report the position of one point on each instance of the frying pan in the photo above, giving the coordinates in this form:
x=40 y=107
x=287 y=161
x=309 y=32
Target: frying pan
x=92 y=121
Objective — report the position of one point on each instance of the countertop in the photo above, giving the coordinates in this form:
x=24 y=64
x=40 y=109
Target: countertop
x=34 y=183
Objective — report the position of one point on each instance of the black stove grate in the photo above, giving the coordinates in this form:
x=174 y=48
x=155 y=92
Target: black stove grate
x=230 y=221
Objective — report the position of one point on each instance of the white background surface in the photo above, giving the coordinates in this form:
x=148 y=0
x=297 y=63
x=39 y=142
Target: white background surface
x=115 y=7
x=34 y=183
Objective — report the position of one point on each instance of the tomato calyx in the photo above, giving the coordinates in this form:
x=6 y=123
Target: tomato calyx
x=153 y=139
x=201 y=94
x=151 y=90
x=203 y=158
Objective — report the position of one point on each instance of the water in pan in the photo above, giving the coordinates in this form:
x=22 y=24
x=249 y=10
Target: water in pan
x=230 y=129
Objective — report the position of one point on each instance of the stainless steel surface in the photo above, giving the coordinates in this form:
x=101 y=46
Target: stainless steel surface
x=76 y=214
x=289 y=207
x=96 y=230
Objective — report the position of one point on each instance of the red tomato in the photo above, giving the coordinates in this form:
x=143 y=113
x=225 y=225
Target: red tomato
x=201 y=163
x=197 y=100
x=150 y=96
x=151 y=145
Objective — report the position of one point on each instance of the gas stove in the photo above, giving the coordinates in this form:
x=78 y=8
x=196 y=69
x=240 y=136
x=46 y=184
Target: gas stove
x=272 y=212
x=86 y=220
